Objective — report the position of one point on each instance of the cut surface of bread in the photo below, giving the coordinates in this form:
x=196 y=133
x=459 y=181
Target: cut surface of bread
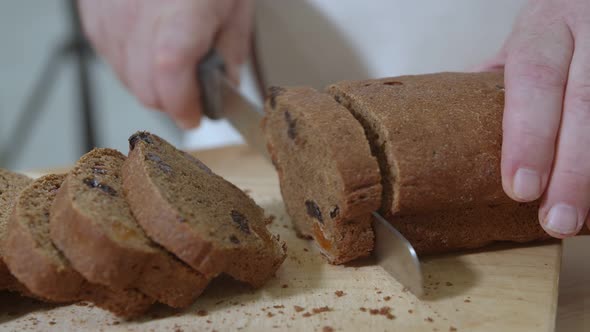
x=204 y=220
x=42 y=268
x=10 y=186
x=330 y=181
x=92 y=224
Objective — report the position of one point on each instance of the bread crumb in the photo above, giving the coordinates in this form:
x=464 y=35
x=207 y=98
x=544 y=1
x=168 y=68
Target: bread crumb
x=339 y=293
x=321 y=309
x=284 y=286
x=387 y=298
x=410 y=311
x=305 y=249
x=384 y=311
x=307 y=314
x=452 y=329
x=327 y=329
x=298 y=308
x=202 y=313
x=208 y=321
x=448 y=283
x=363 y=309
x=52 y=322
x=278 y=306
x=271 y=218
x=269 y=314
x=428 y=319
x=467 y=301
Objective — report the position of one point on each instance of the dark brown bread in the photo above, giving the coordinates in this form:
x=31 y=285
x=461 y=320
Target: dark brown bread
x=10 y=186
x=204 y=220
x=329 y=180
x=470 y=228
x=36 y=262
x=91 y=223
x=438 y=140
x=438 y=135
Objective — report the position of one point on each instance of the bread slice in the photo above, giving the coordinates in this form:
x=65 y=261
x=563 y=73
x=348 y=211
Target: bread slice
x=36 y=262
x=438 y=140
x=91 y=223
x=10 y=186
x=330 y=181
x=204 y=220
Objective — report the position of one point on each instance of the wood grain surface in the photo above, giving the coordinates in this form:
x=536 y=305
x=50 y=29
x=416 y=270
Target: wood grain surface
x=504 y=288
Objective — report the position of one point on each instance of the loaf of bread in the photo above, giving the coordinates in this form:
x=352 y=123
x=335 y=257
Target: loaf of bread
x=437 y=139
x=41 y=267
x=329 y=178
x=92 y=224
x=203 y=219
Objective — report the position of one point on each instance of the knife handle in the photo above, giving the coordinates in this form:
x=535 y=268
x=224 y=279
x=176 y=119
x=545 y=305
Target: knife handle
x=210 y=70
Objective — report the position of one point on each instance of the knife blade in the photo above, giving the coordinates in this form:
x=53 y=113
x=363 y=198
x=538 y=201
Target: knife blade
x=222 y=100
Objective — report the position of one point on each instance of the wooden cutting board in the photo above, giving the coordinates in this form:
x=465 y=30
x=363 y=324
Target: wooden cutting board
x=504 y=288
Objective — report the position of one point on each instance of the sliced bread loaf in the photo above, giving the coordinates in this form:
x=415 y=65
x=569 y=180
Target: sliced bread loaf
x=91 y=223
x=438 y=140
x=329 y=179
x=36 y=262
x=438 y=137
x=204 y=220
x=10 y=186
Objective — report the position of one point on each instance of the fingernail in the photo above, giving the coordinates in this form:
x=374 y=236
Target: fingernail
x=527 y=184
x=562 y=219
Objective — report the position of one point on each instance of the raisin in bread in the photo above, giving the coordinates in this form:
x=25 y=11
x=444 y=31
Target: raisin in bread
x=204 y=220
x=438 y=140
x=10 y=186
x=329 y=179
x=36 y=262
x=91 y=223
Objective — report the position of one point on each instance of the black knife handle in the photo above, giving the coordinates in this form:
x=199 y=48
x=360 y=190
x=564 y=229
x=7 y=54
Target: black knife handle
x=209 y=73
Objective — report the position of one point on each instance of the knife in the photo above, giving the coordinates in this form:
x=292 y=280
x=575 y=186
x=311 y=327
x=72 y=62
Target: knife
x=222 y=100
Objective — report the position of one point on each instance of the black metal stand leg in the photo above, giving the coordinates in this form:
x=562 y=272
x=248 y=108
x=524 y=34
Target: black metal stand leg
x=83 y=55
x=77 y=47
